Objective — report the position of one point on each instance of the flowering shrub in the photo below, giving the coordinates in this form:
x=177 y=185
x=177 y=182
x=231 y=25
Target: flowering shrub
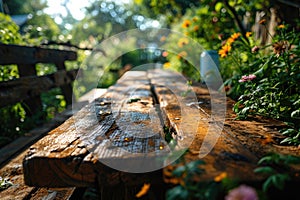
x=272 y=89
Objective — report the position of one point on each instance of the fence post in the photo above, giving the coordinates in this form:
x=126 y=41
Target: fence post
x=34 y=104
x=67 y=90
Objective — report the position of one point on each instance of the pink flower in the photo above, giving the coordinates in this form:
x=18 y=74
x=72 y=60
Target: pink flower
x=243 y=192
x=247 y=78
x=255 y=49
x=251 y=77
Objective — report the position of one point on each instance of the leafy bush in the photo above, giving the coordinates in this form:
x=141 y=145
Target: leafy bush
x=14 y=119
x=270 y=82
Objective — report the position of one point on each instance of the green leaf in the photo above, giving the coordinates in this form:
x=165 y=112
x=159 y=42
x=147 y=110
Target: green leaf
x=265 y=170
x=218 y=6
x=287 y=140
x=177 y=193
x=273 y=158
x=288 y=131
x=178 y=172
x=295 y=113
x=277 y=181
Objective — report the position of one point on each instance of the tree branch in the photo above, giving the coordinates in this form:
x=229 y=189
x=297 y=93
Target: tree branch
x=236 y=19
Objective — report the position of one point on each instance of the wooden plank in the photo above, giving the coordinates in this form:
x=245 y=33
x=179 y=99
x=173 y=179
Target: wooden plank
x=32 y=86
x=240 y=144
x=14 y=173
x=15 y=54
x=202 y=127
x=88 y=150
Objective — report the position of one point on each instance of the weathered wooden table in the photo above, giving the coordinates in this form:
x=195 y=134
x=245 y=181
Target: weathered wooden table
x=128 y=136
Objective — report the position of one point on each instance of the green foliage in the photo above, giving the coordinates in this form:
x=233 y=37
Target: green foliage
x=275 y=92
x=39 y=28
x=53 y=102
x=190 y=186
x=9 y=30
x=202 y=24
x=169 y=10
x=15 y=120
x=103 y=19
x=278 y=169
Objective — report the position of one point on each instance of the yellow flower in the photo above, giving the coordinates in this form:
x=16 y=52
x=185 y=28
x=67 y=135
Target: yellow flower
x=167 y=65
x=248 y=34
x=220 y=177
x=182 y=42
x=281 y=26
x=235 y=36
x=225 y=50
x=186 y=23
x=143 y=191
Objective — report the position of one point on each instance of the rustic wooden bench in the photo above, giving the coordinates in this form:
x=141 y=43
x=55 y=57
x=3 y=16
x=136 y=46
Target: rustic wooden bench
x=121 y=140
x=28 y=89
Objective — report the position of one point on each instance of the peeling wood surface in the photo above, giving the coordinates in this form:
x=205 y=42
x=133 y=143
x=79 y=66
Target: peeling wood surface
x=31 y=86
x=117 y=130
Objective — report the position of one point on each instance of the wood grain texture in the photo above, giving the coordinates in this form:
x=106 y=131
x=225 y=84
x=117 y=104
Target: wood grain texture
x=110 y=131
x=14 y=173
x=111 y=136
x=240 y=143
x=15 y=54
x=32 y=86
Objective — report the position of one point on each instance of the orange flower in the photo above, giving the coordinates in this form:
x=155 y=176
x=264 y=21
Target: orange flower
x=182 y=42
x=248 y=34
x=224 y=51
x=182 y=54
x=235 y=36
x=186 y=23
x=143 y=191
x=229 y=40
x=196 y=28
x=281 y=26
x=220 y=177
